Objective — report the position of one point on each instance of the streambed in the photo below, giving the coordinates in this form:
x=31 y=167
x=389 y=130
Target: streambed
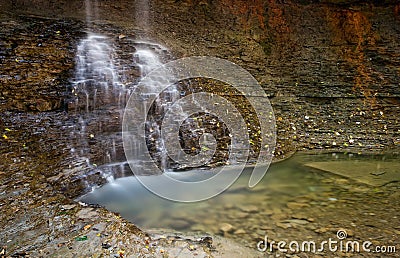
x=294 y=201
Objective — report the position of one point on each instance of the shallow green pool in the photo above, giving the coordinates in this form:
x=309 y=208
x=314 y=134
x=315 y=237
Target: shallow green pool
x=294 y=199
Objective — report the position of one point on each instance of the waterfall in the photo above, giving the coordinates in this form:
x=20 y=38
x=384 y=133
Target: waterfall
x=147 y=56
x=95 y=68
x=92 y=12
x=106 y=73
x=142 y=14
x=100 y=96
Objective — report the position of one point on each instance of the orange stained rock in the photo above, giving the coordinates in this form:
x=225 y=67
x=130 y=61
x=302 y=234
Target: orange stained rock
x=352 y=30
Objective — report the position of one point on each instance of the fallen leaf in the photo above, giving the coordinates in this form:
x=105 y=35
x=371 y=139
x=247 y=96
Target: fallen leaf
x=81 y=238
x=87 y=227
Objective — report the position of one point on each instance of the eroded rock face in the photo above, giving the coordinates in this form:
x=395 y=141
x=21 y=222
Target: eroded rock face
x=330 y=68
x=37 y=56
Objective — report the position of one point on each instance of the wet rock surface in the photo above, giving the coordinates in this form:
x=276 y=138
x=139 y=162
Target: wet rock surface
x=37 y=64
x=316 y=212
x=318 y=63
x=292 y=203
x=331 y=71
x=39 y=178
x=41 y=174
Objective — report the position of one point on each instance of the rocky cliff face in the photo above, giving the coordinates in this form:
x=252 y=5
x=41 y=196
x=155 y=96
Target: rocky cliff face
x=331 y=68
x=37 y=57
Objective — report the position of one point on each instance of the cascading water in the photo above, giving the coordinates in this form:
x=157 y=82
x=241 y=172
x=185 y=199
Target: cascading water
x=98 y=82
x=147 y=56
x=92 y=11
x=98 y=94
x=95 y=69
x=142 y=16
x=107 y=71
x=99 y=97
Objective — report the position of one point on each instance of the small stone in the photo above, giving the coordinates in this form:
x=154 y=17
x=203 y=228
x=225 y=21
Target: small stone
x=341 y=181
x=297 y=221
x=296 y=205
x=321 y=230
x=228 y=206
x=284 y=225
x=241 y=215
x=276 y=211
x=239 y=232
x=376 y=243
x=87 y=227
x=261 y=232
x=249 y=209
x=226 y=228
x=267 y=213
x=349 y=232
x=277 y=217
x=378 y=173
x=68 y=206
x=265 y=227
x=87 y=213
x=106 y=246
x=198 y=227
x=299 y=216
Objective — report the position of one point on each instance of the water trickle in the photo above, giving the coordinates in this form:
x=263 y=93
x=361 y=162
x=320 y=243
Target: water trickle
x=107 y=71
x=95 y=66
x=147 y=56
x=147 y=60
x=92 y=11
x=98 y=104
x=102 y=85
x=142 y=17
